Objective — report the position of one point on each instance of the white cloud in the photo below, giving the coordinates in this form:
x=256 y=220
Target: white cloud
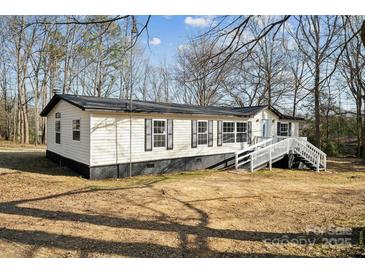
x=155 y=41
x=182 y=47
x=201 y=22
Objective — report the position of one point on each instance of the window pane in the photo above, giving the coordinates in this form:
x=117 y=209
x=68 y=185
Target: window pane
x=58 y=115
x=58 y=138
x=241 y=127
x=284 y=129
x=202 y=139
x=76 y=124
x=159 y=126
x=159 y=141
x=58 y=126
x=228 y=137
x=228 y=127
x=202 y=126
x=241 y=137
x=76 y=135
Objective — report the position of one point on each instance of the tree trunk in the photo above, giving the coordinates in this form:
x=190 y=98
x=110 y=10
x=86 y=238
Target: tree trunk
x=359 y=127
x=363 y=133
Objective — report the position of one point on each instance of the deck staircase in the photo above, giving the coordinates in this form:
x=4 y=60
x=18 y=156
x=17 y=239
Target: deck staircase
x=271 y=150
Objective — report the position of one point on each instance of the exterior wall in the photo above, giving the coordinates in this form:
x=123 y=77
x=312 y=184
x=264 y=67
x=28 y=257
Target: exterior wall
x=103 y=149
x=76 y=150
x=274 y=119
x=110 y=139
x=294 y=127
x=256 y=122
x=216 y=161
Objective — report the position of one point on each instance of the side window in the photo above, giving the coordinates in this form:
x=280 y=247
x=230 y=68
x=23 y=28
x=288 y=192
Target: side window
x=58 y=128
x=76 y=130
x=202 y=132
x=284 y=129
x=159 y=133
x=241 y=132
x=228 y=132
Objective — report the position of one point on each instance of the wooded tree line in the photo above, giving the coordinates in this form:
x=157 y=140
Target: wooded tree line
x=302 y=65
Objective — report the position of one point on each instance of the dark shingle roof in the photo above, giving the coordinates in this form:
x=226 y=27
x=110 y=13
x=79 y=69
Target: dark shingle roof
x=122 y=105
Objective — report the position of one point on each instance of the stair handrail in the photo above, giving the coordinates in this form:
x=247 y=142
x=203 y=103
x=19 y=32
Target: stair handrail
x=279 y=148
x=313 y=154
x=271 y=149
x=252 y=147
x=255 y=146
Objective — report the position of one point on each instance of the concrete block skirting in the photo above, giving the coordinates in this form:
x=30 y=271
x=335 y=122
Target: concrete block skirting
x=148 y=167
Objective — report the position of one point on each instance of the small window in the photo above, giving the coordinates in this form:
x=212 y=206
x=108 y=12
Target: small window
x=76 y=130
x=150 y=165
x=202 y=132
x=58 y=131
x=159 y=133
x=284 y=129
x=58 y=115
x=228 y=132
x=241 y=132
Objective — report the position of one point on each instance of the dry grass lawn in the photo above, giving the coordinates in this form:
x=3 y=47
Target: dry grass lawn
x=48 y=211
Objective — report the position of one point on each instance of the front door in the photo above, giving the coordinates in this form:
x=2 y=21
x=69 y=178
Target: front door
x=265 y=128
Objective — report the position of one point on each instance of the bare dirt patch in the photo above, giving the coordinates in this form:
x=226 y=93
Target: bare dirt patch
x=49 y=211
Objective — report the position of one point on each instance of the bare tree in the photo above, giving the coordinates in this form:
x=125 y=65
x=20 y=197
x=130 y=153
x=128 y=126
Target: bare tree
x=199 y=82
x=318 y=39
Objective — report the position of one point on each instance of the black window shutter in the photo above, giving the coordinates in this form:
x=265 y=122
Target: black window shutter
x=148 y=134
x=249 y=132
x=210 y=133
x=219 y=133
x=194 y=134
x=289 y=130
x=170 y=134
x=278 y=129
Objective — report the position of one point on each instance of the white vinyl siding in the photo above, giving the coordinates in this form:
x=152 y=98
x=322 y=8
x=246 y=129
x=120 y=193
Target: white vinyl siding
x=105 y=136
x=110 y=139
x=77 y=151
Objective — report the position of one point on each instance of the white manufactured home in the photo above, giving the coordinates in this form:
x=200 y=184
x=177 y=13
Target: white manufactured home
x=108 y=138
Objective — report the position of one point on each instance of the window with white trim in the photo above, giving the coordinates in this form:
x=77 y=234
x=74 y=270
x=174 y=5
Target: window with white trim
x=159 y=133
x=202 y=132
x=58 y=128
x=76 y=130
x=241 y=132
x=284 y=129
x=228 y=132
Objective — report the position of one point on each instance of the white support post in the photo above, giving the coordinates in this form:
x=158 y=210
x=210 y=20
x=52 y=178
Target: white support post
x=251 y=163
x=236 y=160
x=318 y=160
x=270 y=160
x=325 y=163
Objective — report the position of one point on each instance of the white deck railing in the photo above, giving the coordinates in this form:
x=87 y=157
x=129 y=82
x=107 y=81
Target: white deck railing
x=239 y=155
x=273 y=149
x=311 y=153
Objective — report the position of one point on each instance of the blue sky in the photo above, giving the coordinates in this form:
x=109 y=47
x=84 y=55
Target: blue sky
x=166 y=33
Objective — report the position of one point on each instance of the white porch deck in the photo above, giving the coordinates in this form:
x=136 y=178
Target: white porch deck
x=266 y=150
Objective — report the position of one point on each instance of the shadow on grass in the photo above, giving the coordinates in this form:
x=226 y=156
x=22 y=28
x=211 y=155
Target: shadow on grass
x=201 y=231
x=346 y=165
x=35 y=162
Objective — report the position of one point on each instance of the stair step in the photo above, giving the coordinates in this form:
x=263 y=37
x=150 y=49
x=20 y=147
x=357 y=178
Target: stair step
x=297 y=161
